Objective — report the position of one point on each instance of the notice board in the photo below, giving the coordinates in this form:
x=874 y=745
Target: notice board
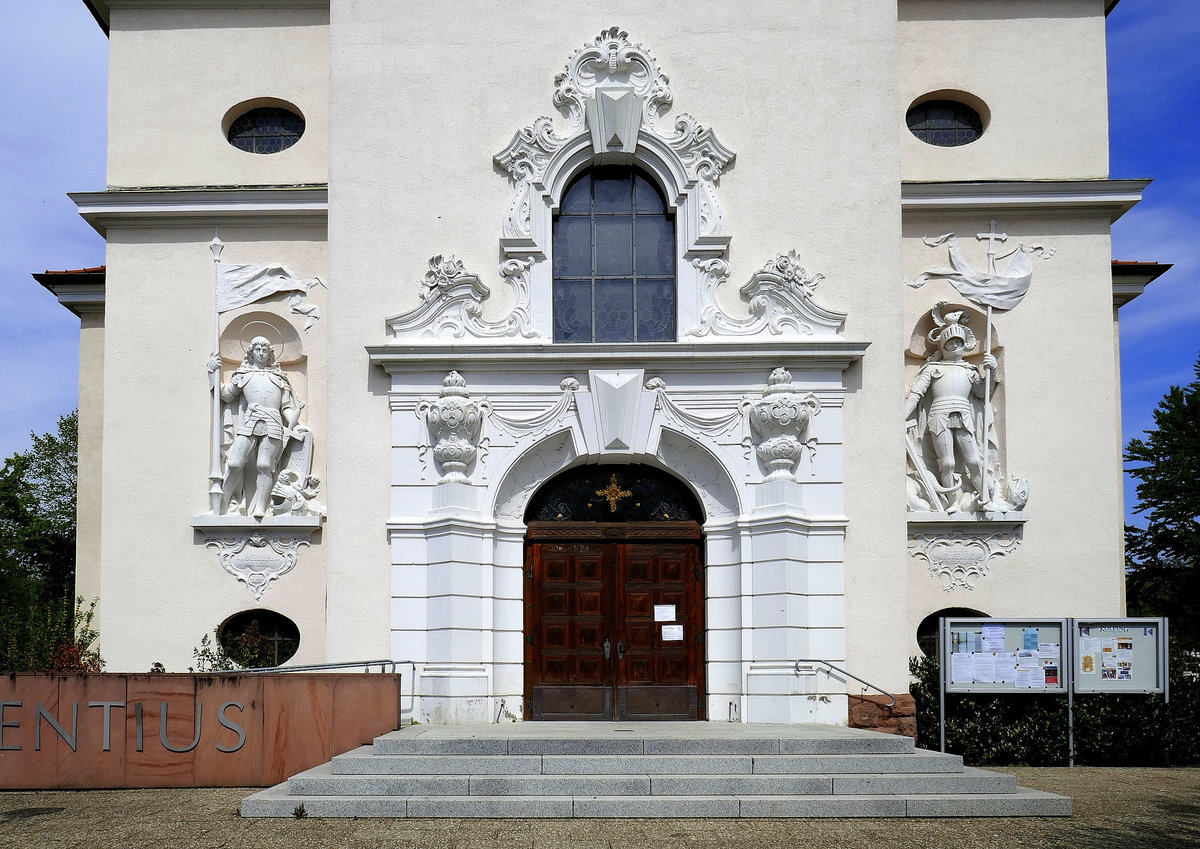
x=1005 y=655
x=1119 y=655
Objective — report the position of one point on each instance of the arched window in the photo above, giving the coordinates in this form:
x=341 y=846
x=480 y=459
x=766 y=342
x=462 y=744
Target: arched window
x=614 y=259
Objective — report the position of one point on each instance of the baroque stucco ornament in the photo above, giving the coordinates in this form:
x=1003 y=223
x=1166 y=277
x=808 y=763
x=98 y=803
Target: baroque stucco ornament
x=454 y=421
x=960 y=557
x=614 y=95
x=780 y=296
x=452 y=304
x=782 y=425
x=258 y=558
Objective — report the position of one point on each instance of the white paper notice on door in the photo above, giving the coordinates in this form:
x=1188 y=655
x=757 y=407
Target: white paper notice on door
x=664 y=613
x=672 y=633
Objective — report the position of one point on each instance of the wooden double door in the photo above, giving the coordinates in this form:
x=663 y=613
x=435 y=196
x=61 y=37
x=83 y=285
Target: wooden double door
x=614 y=621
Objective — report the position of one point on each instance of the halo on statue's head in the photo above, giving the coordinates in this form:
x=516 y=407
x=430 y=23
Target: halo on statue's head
x=285 y=341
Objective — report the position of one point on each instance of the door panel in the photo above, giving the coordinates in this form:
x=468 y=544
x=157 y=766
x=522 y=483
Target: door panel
x=572 y=673
x=581 y=595
x=655 y=679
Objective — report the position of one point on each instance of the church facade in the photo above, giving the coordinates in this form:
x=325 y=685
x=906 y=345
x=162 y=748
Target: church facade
x=595 y=371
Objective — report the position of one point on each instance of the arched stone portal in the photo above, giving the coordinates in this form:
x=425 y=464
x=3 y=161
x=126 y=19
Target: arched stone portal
x=614 y=597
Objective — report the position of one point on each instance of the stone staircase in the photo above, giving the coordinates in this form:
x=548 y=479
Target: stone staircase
x=648 y=769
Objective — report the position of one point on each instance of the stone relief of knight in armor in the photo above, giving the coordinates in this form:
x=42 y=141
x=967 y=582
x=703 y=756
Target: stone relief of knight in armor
x=267 y=453
x=953 y=451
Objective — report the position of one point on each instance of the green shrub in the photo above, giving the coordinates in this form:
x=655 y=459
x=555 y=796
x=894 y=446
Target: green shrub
x=1029 y=729
x=48 y=635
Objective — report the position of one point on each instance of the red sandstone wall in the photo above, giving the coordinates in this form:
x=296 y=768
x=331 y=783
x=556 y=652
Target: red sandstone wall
x=873 y=713
x=290 y=723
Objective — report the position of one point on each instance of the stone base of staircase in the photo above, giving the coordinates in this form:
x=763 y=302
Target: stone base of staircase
x=648 y=769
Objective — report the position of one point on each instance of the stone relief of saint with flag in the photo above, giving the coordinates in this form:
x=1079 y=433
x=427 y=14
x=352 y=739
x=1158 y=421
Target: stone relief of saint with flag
x=949 y=434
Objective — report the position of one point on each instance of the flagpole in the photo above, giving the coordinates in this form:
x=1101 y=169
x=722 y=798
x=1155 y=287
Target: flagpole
x=985 y=496
x=987 y=401
x=215 y=476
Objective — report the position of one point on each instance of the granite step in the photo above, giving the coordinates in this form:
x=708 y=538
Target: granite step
x=647 y=770
x=276 y=802
x=322 y=781
x=423 y=742
x=364 y=761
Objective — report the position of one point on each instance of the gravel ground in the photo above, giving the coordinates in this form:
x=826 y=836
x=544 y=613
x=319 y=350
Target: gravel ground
x=1114 y=808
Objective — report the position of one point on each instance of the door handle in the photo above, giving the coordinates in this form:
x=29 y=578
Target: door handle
x=607 y=649
x=620 y=651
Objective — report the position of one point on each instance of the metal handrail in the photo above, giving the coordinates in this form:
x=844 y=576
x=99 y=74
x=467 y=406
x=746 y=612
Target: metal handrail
x=312 y=667
x=385 y=665
x=847 y=674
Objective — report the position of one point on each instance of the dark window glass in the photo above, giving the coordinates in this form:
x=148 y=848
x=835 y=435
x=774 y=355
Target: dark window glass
x=655 y=245
x=656 y=310
x=614 y=244
x=945 y=123
x=927 y=631
x=266 y=129
x=577 y=200
x=573 y=311
x=614 y=260
x=573 y=247
x=614 y=311
x=259 y=638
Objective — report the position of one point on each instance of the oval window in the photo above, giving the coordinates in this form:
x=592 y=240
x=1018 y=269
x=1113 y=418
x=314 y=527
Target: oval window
x=944 y=123
x=927 y=631
x=265 y=129
x=254 y=639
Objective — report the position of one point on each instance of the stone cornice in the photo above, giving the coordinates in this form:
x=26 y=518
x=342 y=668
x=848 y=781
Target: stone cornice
x=1130 y=279
x=80 y=293
x=102 y=9
x=1111 y=197
x=712 y=357
x=296 y=205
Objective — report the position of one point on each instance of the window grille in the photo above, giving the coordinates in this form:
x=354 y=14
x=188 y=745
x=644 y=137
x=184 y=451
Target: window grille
x=266 y=129
x=944 y=123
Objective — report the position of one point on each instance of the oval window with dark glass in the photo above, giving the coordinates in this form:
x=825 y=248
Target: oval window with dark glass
x=945 y=123
x=927 y=631
x=254 y=639
x=266 y=129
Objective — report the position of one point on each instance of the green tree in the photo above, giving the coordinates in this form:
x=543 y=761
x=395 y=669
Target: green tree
x=37 y=514
x=43 y=627
x=1162 y=559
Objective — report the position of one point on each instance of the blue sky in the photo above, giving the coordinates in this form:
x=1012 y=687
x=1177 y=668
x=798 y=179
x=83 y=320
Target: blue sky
x=53 y=68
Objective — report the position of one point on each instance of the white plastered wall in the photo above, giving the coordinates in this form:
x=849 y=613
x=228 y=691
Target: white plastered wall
x=1038 y=65
x=89 y=497
x=161 y=589
x=176 y=70
x=1060 y=419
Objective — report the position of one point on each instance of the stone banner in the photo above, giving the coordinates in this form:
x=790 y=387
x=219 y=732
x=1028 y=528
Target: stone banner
x=80 y=731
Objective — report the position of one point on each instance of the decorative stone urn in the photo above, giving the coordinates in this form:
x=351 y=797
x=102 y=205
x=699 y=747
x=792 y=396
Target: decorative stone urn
x=454 y=421
x=781 y=422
